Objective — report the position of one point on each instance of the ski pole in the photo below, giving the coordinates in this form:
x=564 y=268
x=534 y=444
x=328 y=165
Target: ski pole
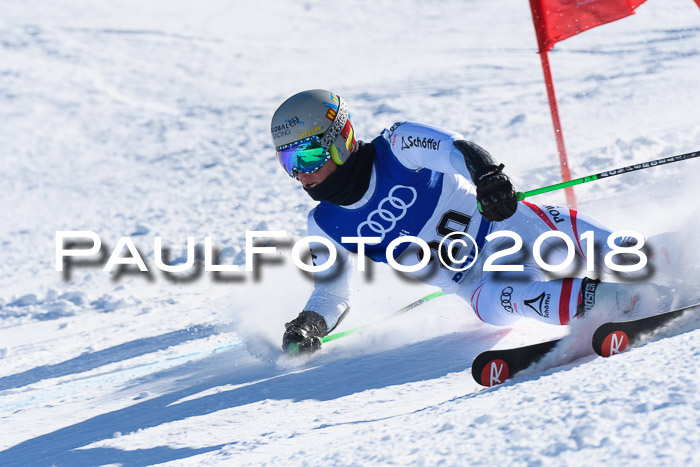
x=521 y=195
x=408 y=307
x=609 y=173
x=294 y=347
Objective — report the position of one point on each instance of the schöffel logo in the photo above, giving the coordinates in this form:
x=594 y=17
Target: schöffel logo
x=417 y=142
x=540 y=304
x=505 y=299
x=389 y=211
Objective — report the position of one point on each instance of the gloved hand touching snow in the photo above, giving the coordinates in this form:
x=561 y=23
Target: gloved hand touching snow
x=303 y=333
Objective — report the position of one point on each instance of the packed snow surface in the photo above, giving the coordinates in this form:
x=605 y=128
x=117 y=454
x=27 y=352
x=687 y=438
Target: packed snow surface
x=151 y=119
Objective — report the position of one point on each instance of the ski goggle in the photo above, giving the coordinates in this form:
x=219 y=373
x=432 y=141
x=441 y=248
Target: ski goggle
x=306 y=156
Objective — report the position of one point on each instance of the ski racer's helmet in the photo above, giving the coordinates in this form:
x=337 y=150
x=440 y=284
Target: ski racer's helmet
x=311 y=127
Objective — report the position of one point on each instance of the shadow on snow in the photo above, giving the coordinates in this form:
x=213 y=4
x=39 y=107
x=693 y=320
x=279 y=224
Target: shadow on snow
x=90 y=361
x=325 y=381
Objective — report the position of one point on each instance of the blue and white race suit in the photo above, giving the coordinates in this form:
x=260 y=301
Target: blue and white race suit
x=420 y=186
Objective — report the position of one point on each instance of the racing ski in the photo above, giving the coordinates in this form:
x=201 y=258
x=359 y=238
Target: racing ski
x=495 y=366
x=614 y=337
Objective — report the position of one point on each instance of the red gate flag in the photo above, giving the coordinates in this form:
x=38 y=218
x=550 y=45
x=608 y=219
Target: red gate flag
x=555 y=20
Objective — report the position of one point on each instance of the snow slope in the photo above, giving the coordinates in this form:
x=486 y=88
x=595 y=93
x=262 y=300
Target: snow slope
x=147 y=119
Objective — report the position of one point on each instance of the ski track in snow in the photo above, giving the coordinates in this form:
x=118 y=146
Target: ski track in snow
x=152 y=119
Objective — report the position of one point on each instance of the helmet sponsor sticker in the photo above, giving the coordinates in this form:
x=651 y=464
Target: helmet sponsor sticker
x=310 y=132
x=288 y=123
x=280 y=133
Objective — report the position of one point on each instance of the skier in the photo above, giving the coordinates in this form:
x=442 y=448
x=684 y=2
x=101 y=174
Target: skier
x=422 y=181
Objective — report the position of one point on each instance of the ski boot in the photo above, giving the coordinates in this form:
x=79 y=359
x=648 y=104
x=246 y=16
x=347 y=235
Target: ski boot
x=617 y=300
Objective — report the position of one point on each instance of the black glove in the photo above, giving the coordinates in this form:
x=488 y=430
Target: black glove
x=496 y=195
x=303 y=334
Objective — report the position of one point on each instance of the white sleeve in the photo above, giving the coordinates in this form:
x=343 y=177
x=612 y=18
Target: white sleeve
x=418 y=146
x=331 y=295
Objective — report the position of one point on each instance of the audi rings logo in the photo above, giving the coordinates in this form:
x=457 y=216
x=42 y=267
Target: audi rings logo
x=505 y=299
x=389 y=211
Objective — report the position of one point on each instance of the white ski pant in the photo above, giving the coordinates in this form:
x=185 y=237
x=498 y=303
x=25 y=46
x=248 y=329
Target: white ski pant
x=501 y=297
